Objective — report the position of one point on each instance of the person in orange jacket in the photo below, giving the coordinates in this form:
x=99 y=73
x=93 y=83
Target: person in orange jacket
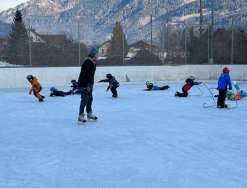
x=36 y=88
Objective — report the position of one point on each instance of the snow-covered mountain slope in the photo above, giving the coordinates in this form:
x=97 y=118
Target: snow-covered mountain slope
x=4 y=29
x=97 y=17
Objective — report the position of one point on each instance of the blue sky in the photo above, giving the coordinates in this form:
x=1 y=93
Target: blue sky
x=5 y=4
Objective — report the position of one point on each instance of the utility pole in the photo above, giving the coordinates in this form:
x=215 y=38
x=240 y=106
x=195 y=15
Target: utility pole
x=30 y=42
x=151 y=26
x=79 y=42
x=201 y=17
x=211 y=61
x=232 y=43
x=151 y=42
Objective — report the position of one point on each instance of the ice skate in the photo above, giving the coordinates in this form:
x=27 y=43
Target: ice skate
x=82 y=119
x=91 y=116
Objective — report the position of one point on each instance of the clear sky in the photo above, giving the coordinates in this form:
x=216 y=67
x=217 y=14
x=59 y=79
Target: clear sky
x=5 y=4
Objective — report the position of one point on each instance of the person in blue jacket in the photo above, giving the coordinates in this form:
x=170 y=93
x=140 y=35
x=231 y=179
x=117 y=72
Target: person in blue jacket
x=223 y=83
x=151 y=87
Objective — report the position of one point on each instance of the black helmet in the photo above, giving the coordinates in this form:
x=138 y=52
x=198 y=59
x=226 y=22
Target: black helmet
x=29 y=77
x=109 y=76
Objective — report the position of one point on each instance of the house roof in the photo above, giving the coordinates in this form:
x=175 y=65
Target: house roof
x=142 y=45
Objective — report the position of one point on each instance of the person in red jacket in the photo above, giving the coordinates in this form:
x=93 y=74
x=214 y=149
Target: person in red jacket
x=190 y=82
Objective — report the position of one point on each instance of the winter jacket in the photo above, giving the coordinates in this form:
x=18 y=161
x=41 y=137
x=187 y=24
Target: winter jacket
x=86 y=78
x=36 y=87
x=189 y=84
x=113 y=83
x=224 y=81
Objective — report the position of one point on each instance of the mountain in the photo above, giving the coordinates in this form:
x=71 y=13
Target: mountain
x=96 y=18
x=4 y=29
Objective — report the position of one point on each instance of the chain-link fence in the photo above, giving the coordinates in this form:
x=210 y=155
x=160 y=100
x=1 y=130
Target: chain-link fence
x=167 y=44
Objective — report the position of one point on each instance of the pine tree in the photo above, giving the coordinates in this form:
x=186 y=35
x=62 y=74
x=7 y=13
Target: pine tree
x=17 y=47
x=119 y=45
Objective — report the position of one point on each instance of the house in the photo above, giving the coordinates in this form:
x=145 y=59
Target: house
x=104 y=48
x=136 y=47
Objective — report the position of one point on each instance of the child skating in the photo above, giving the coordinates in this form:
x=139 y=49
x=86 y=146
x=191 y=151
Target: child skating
x=224 y=82
x=189 y=83
x=113 y=84
x=35 y=88
x=57 y=93
x=239 y=95
x=75 y=87
x=151 y=87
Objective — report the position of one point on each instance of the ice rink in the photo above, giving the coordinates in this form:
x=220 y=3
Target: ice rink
x=141 y=140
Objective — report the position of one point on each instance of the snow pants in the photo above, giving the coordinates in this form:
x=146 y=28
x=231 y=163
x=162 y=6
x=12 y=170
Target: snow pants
x=221 y=98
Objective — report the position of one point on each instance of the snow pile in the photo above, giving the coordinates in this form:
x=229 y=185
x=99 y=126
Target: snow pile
x=142 y=139
x=5 y=64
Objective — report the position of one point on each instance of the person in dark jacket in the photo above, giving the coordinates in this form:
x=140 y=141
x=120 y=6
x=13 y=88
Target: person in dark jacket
x=113 y=84
x=189 y=83
x=85 y=83
x=75 y=87
x=223 y=82
x=151 y=87
x=57 y=93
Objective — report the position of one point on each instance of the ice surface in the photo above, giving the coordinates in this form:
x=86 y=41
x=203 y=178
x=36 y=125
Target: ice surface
x=142 y=140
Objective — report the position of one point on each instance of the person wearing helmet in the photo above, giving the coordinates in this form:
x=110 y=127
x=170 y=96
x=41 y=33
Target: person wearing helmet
x=224 y=82
x=150 y=86
x=85 y=83
x=56 y=93
x=113 y=84
x=35 y=87
x=189 y=83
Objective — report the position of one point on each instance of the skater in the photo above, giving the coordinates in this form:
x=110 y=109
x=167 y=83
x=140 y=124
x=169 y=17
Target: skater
x=86 y=82
x=113 y=84
x=36 y=88
x=151 y=87
x=75 y=87
x=223 y=82
x=190 y=82
x=56 y=93
x=239 y=95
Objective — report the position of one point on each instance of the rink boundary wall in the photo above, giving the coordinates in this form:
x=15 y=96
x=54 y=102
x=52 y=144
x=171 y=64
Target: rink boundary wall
x=61 y=76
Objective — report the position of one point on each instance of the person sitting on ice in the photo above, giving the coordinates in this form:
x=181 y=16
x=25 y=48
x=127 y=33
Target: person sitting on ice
x=239 y=95
x=35 y=87
x=151 y=87
x=224 y=82
x=189 y=83
x=56 y=93
x=113 y=84
x=75 y=87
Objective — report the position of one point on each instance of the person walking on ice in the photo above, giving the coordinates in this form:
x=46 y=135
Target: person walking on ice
x=190 y=82
x=35 y=88
x=224 y=82
x=151 y=87
x=85 y=83
x=113 y=84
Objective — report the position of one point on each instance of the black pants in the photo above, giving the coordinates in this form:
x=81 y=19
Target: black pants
x=60 y=93
x=114 y=92
x=184 y=94
x=221 y=98
x=164 y=87
x=86 y=101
